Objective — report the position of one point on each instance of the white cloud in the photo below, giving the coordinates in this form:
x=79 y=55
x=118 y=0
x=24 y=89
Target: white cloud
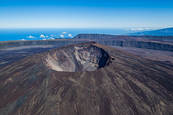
x=64 y=32
x=31 y=36
x=69 y=35
x=52 y=38
x=140 y=29
x=23 y=39
x=42 y=36
x=137 y=29
x=47 y=36
x=51 y=35
x=62 y=36
x=44 y=39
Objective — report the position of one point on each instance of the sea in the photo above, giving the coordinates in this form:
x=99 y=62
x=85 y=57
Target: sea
x=13 y=34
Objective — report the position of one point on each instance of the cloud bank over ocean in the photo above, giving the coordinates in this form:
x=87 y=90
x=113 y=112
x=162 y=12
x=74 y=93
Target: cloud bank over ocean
x=69 y=35
x=52 y=36
x=42 y=36
x=62 y=36
x=64 y=32
x=141 y=29
x=31 y=36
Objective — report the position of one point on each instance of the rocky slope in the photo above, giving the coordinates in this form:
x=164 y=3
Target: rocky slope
x=124 y=85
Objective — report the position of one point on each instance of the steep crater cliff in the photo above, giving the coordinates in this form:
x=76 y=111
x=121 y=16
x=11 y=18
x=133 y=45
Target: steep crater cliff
x=74 y=58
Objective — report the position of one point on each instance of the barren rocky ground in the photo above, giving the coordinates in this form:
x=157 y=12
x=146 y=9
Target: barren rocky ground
x=155 y=55
x=10 y=55
x=124 y=84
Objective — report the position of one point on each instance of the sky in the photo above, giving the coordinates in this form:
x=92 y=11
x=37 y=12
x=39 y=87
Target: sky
x=86 y=13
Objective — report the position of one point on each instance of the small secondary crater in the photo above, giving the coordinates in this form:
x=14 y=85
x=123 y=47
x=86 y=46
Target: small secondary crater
x=80 y=57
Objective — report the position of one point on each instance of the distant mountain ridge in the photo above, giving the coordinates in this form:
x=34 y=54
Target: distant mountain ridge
x=121 y=37
x=160 y=32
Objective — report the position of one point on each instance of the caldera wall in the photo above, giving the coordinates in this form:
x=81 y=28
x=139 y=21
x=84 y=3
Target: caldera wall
x=137 y=44
x=10 y=44
x=123 y=43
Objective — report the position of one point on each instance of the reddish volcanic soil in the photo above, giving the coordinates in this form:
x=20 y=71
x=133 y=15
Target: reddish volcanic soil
x=86 y=79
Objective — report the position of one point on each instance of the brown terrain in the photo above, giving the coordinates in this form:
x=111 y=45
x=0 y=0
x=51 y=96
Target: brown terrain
x=155 y=55
x=10 y=55
x=86 y=79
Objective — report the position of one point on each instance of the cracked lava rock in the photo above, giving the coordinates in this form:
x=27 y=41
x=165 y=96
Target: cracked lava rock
x=86 y=79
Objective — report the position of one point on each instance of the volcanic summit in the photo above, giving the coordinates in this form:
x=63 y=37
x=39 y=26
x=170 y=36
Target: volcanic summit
x=86 y=79
x=77 y=58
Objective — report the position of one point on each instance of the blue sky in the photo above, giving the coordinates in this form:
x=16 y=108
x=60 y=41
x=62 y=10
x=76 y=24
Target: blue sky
x=86 y=13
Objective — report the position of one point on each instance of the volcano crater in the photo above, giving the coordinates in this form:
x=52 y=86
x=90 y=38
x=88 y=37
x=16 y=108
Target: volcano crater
x=75 y=58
